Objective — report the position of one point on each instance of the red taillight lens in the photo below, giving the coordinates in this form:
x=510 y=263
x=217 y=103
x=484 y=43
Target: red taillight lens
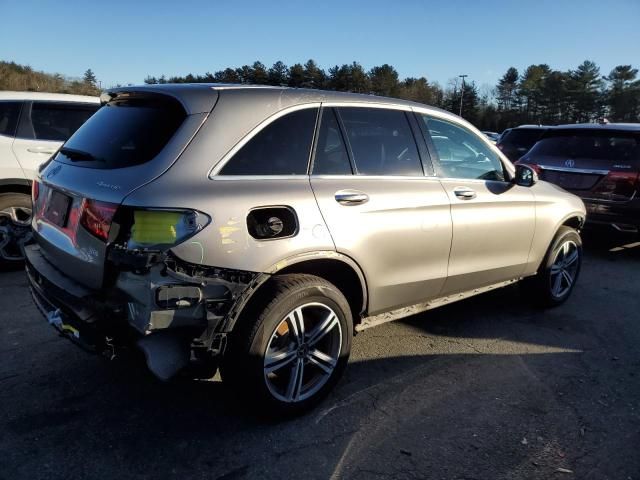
x=96 y=217
x=35 y=191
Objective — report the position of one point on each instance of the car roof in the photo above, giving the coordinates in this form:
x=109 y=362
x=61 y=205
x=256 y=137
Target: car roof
x=201 y=97
x=45 y=96
x=627 y=127
x=535 y=127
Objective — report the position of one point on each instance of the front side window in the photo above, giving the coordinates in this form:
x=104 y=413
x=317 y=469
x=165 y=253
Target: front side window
x=331 y=152
x=461 y=153
x=58 y=121
x=280 y=148
x=9 y=113
x=381 y=141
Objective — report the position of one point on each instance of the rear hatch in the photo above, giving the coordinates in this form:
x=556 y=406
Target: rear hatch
x=131 y=140
x=600 y=164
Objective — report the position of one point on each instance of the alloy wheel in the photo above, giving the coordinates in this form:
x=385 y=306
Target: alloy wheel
x=564 y=269
x=15 y=232
x=303 y=352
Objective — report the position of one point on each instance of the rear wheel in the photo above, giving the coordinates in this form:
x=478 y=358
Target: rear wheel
x=15 y=227
x=291 y=347
x=555 y=280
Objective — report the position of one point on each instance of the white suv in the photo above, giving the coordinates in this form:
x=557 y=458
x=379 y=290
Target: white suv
x=33 y=126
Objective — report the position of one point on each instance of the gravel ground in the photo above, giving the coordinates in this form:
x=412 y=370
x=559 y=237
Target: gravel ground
x=488 y=388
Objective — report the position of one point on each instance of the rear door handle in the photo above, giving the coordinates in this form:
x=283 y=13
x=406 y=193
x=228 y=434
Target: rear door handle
x=464 y=193
x=351 y=197
x=41 y=150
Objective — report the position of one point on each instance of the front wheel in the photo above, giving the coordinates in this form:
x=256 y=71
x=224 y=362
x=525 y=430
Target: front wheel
x=291 y=346
x=559 y=271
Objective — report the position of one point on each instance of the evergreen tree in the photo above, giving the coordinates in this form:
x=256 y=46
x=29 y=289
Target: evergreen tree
x=278 y=74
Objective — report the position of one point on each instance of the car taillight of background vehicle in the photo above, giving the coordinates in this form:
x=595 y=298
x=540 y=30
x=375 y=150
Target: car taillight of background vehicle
x=96 y=217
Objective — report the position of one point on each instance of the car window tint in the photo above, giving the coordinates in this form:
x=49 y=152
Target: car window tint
x=281 y=148
x=9 y=112
x=125 y=132
x=381 y=141
x=331 y=152
x=57 y=121
x=462 y=154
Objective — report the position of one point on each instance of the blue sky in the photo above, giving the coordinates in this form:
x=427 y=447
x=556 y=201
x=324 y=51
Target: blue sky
x=123 y=42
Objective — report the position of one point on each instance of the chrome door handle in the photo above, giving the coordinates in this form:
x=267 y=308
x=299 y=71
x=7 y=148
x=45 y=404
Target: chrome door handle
x=351 y=197
x=40 y=150
x=464 y=193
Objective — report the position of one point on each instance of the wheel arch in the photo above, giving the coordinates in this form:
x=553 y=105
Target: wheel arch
x=15 y=185
x=336 y=268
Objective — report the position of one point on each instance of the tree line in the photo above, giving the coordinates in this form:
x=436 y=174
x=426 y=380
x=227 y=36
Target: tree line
x=22 y=78
x=538 y=95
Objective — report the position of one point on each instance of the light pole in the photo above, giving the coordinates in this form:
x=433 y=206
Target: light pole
x=462 y=91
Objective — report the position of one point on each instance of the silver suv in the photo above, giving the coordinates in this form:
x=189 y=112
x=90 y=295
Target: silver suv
x=255 y=229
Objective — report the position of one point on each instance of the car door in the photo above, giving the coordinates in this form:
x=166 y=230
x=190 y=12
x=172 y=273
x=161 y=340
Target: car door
x=379 y=206
x=493 y=219
x=44 y=127
x=9 y=115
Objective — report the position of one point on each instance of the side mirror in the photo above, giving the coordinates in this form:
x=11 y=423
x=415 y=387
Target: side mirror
x=525 y=176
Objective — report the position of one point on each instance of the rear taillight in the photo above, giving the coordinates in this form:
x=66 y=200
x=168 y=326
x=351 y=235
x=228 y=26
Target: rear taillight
x=96 y=217
x=158 y=229
x=35 y=191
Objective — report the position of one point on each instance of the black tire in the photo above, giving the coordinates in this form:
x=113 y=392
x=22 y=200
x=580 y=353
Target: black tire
x=541 y=286
x=10 y=255
x=243 y=366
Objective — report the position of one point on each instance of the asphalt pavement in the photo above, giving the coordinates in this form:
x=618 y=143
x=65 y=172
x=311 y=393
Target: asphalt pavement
x=488 y=388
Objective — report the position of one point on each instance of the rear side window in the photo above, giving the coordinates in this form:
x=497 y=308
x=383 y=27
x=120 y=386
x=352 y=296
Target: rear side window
x=461 y=153
x=58 y=121
x=9 y=113
x=280 y=148
x=331 y=152
x=124 y=132
x=381 y=141
x=605 y=146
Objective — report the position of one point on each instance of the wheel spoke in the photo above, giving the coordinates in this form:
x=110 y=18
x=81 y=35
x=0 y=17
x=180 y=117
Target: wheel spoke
x=294 y=388
x=567 y=278
x=571 y=259
x=296 y=324
x=322 y=360
x=555 y=269
x=279 y=360
x=321 y=330
x=557 y=284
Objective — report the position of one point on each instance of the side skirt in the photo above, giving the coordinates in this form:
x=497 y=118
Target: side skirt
x=368 y=322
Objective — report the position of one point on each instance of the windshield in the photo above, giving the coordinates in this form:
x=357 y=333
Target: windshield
x=615 y=147
x=123 y=133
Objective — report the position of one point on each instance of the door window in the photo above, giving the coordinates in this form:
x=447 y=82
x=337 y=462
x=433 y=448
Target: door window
x=281 y=148
x=9 y=112
x=461 y=153
x=331 y=152
x=381 y=141
x=58 y=121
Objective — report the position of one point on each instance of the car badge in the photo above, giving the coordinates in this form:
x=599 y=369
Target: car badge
x=570 y=163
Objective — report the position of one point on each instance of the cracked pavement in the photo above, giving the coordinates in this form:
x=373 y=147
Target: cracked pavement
x=488 y=388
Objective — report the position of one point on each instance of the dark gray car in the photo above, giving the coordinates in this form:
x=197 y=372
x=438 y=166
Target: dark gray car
x=256 y=229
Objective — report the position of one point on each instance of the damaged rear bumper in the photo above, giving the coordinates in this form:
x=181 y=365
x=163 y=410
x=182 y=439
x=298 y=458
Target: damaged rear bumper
x=175 y=312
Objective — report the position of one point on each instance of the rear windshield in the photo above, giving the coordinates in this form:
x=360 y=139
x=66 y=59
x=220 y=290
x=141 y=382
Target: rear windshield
x=124 y=132
x=523 y=137
x=616 y=147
